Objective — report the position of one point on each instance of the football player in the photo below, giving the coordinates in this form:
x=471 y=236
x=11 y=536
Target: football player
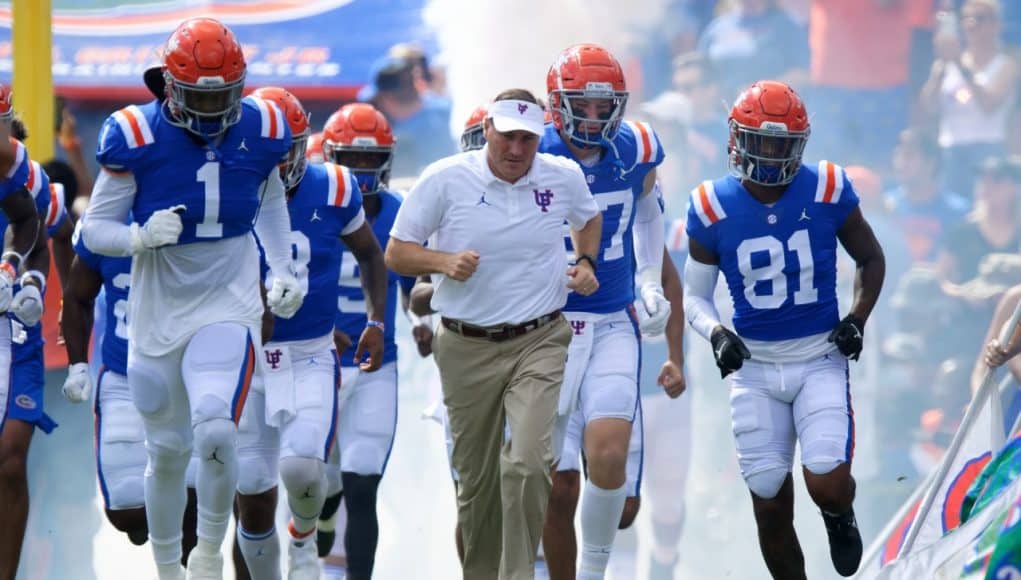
x=196 y=172
x=772 y=227
x=302 y=367
x=360 y=138
x=599 y=397
x=22 y=408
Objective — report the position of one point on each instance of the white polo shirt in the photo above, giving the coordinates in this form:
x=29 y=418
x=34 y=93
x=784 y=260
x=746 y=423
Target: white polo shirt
x=517 y=230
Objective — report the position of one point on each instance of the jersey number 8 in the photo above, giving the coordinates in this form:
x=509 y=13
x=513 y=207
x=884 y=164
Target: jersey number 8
x=773 y=271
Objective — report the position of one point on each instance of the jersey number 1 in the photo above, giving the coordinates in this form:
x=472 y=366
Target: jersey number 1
x=772 y=272
x=209 y=176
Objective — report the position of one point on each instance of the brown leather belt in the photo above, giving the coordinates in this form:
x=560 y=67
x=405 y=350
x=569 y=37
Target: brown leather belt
x=498 y=333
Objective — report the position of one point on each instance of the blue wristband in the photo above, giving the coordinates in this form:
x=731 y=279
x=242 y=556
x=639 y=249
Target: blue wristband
x=377 y=324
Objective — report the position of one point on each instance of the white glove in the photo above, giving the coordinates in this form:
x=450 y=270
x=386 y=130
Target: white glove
x=655 y=311
x=78 y=383
x=28 y=305
x=285 y=296
x=7 y=274
x=163 y=228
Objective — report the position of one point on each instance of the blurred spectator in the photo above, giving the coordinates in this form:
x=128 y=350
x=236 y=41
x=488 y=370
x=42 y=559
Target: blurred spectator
x=869 y=187
x=756 y=40
x=421 y=123
x=971 y=90
x=992 y=226
x=674 y=34
x=429 y=79
x=81 y=180
x=692 y=117
x=860 y=53
x=921 y=311
x=995 y=354
x=923 y=209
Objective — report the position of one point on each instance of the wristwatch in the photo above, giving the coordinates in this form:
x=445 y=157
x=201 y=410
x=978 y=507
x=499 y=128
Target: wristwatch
x=591 y=261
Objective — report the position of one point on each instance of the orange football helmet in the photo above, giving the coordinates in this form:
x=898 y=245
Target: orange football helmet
x=587 y=73
x=314 y=151
x=768 y=131
x=293 y=168
x=472 y=137
x=204 y=73
x=360 y=138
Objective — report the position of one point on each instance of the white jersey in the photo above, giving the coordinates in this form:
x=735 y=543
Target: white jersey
x=176 y=290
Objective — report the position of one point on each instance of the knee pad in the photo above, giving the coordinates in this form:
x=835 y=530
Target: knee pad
x=121 y=474
x=216 y=436
x=301 y=473
x=767 y=483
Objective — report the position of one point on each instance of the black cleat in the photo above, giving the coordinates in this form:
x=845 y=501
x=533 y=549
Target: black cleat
x=845 y=542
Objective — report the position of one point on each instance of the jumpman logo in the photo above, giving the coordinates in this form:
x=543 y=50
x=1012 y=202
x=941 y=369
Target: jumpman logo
x=315 y=216
x=242 y=146
x=804 y=215
x=482 y=200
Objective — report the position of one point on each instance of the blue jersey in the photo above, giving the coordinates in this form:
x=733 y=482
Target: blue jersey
x=616 y=182
x=52 y=215
x=17 y=176
x=220 y=186
x=116 y=275
x=779 y=261
x=351 y=303
x=325 y=202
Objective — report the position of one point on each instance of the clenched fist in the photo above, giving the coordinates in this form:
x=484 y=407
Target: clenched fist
x=461 y=265
x=582 y=279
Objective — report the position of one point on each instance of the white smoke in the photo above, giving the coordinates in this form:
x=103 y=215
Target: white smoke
x=492 y=45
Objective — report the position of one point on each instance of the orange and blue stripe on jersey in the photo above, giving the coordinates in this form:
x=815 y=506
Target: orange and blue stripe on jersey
x=237 y=404
x=339 y=188
x=646 y=144
x=707 y=204
x=830 y=184
x=134 y=126
x=272 y=126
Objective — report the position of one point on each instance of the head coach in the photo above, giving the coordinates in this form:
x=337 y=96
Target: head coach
x=495 y=220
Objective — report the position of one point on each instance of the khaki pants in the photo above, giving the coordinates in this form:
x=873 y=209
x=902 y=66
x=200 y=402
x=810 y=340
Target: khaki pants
x=504 y=485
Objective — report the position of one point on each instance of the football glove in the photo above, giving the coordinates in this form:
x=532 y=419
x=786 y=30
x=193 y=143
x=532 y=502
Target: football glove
x=78 y=383
x=653 y=317
x=848 y=336
x=27 y=305
x=285 y=296
x=7 y=274
x=163 y=228
x=729 y=351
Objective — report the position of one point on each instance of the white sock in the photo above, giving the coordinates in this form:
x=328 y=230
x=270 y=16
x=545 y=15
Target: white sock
x=165 y=498
x=624 y=561
x=600 y=515
x=261 y=552
x=215 y=481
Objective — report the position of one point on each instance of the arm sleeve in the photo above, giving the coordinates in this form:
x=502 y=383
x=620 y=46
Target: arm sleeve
x=583 y=205
x=273 y=226
x=699 y=285
x=420 y=214
x=649 y=237
x=105 y=227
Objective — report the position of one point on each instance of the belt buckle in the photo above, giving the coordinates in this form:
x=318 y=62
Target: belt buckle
x=456 y=326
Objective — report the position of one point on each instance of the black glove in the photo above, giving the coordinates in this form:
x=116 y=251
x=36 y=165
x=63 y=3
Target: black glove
x=848 y=336
x=729 y=350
